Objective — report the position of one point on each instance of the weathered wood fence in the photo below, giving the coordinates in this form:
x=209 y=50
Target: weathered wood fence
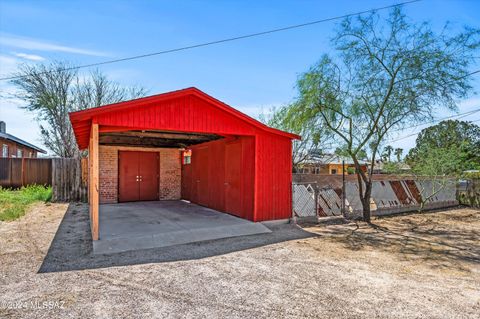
x=17 y=172
x=67 y=176
x=68 y=180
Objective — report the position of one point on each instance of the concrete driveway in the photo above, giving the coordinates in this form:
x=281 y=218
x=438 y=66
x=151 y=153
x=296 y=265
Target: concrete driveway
x=143 y=225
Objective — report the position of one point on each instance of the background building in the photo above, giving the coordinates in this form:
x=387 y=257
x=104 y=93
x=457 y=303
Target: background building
x=12 y=146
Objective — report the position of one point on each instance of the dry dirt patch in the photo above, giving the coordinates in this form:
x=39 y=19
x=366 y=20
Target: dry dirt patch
x=443 y=240
x=406 y=267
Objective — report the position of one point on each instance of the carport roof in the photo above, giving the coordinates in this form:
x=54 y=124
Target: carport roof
x=81 y=120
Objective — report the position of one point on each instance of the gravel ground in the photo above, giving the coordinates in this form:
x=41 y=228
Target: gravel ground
x=409 y=266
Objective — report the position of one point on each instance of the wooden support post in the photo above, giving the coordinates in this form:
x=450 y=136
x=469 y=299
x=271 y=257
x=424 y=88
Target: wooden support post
x=94 y=200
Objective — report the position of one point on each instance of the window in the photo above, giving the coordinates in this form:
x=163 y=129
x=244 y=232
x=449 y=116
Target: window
x=334 y=171
x=19 y=153
x=187 y=157
x=5 y=150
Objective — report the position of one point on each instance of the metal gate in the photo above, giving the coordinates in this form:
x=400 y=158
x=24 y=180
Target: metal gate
x=310 y=200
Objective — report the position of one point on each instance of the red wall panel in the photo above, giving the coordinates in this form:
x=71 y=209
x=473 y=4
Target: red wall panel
x=233 y=178
x=185 y=114
x=273 y=177
x=201 y=177
x=248 y=176
x=218 y=169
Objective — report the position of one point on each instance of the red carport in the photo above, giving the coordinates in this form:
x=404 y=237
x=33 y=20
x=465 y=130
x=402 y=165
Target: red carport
x=185 y=145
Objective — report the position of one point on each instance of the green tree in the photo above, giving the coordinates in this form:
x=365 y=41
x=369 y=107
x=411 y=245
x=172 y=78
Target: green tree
x=343 y=151
x=438 y=165
x=449 y=148
x=387 y=153
x=391 y=168
x=311 y=141
x=398 y=154
x=53 y=90
x=386 y=74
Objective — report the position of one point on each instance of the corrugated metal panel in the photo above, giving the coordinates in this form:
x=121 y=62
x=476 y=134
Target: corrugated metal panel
x=401 y=196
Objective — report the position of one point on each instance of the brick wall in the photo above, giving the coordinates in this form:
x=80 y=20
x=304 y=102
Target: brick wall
x=170 y=172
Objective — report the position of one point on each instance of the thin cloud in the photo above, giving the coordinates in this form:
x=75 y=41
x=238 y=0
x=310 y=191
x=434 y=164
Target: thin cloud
x=8 y=64
x=31 y=57
x=40 y=45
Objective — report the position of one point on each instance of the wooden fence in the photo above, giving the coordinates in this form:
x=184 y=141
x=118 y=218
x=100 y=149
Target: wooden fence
x=17 y=172
x=67 y=176
x=68 y=180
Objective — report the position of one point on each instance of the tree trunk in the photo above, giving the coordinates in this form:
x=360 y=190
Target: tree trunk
x=366 y=201
x=364 y=179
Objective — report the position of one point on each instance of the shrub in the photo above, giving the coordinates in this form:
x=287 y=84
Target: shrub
x=14 y=203
x=471 y=175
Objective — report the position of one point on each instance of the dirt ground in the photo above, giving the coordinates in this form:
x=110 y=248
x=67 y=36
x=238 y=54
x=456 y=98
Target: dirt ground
x=410 y=266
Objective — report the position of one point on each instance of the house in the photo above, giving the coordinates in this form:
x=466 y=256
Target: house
x=185 y=145
x=380 y=165
x=14 y=147
x=328 y=164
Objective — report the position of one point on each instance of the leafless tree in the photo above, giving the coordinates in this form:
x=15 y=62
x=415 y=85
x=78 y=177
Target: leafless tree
x=53 y=90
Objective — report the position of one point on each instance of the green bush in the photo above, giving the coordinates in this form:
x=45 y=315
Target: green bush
x=350 y=170
x=14 y=203
x=471 y=175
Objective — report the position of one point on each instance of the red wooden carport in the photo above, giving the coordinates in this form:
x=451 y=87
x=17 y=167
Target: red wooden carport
x=238 y=165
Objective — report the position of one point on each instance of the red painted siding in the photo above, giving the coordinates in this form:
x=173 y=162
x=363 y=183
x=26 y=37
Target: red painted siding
x=197 y=116
x=273 y=177
x=214 y=174
x=261 y=185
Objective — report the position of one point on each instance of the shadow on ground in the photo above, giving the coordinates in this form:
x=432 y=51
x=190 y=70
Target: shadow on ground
x=441 y=240
x=71 y=248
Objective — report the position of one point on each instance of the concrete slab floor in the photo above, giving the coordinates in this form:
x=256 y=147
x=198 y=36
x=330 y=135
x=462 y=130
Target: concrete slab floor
x=142 y=225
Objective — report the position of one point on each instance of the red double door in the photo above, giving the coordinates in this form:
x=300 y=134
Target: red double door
x=138 y=176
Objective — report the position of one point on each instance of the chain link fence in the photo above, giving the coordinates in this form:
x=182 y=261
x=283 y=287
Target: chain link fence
x=311 y=200
x=314 y=200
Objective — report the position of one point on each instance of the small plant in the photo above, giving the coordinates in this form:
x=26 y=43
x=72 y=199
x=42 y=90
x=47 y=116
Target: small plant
x=14 y=203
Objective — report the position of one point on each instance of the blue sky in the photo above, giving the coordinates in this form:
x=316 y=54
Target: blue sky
x=251 y=74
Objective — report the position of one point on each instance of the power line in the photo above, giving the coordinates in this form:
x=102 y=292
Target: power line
x=466 y=75
x=413 y=134
x=438 y=120
x=251 y=35
x=458 y=116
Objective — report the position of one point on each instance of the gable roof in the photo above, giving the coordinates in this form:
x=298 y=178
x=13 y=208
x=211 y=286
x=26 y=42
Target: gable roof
x=82 y=119
x=17 y=140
